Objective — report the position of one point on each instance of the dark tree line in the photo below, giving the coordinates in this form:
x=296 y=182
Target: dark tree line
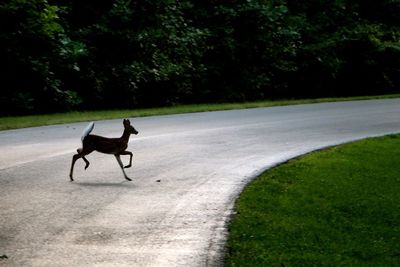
x=85 y=54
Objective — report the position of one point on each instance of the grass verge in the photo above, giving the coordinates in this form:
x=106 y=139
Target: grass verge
x=68 y=117
x=336 y=207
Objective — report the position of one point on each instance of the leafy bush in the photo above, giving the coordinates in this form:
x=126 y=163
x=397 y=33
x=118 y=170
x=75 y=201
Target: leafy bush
x=60 y=55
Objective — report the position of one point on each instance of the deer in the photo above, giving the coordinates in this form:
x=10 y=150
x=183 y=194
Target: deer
x=115 y=146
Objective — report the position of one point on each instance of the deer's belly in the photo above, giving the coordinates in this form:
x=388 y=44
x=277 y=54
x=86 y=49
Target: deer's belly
x=111 y=150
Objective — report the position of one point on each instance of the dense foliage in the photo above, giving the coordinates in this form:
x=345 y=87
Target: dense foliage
x=72 y=54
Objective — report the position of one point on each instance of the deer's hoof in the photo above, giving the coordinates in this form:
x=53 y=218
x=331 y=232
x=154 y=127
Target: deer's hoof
x=127 y=178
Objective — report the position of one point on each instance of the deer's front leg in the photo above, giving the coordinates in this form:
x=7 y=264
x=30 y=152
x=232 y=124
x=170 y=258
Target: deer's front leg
x=117 y=156
x=130 y=159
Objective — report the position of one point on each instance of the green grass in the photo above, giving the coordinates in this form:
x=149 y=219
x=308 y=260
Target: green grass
x=336 y=207
x=68 y=117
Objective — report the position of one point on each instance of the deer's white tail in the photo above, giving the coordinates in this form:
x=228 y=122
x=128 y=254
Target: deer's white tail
x=87 y=130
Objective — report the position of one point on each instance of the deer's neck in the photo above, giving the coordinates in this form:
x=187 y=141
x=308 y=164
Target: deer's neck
x=125 y=136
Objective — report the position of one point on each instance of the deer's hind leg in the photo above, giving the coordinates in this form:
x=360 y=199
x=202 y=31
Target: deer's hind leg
x=81 y=154
x=86 y=161
x=74 y=158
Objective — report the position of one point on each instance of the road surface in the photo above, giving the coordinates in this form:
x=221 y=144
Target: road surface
x=188 y=170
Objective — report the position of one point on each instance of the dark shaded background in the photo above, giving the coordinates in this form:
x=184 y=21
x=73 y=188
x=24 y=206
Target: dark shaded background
x=86 y=54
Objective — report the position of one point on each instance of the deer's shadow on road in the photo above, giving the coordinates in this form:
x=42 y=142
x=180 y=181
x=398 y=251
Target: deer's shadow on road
x=123 y=184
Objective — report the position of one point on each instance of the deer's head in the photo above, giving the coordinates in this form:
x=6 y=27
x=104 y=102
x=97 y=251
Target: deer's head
x=129 y=127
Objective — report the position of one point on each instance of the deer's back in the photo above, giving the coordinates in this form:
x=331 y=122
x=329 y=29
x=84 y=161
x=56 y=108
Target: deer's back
x=104 y=144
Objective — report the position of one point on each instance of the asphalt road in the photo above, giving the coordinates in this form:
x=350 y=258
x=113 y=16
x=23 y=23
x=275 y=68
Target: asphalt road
x=188 y=170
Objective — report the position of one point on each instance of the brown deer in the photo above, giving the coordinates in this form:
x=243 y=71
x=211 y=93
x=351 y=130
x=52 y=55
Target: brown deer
x=115 y=146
